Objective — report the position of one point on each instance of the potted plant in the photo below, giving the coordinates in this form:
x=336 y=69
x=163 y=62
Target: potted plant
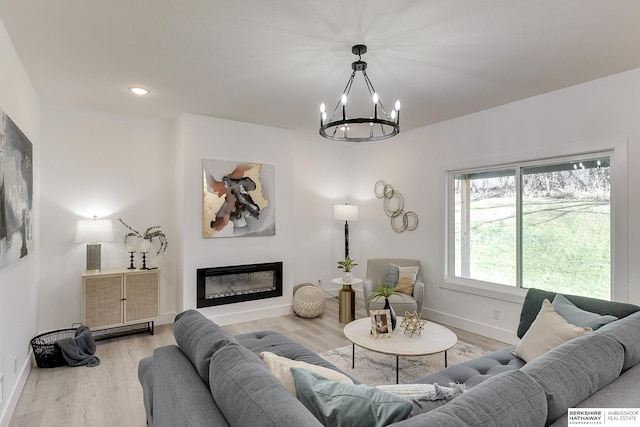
x=347 y=264
x=385 y=291
x=147 y=236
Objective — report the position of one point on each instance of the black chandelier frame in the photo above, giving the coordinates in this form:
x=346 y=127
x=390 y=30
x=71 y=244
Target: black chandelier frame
x=380 y=128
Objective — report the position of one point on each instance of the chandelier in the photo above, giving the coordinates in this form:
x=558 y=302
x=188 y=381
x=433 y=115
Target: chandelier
x=376 y=126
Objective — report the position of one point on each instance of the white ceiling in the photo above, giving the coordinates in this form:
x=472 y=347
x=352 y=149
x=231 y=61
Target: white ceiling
x=272 y=62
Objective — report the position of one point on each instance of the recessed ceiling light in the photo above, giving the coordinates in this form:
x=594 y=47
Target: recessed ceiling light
x=139 y=90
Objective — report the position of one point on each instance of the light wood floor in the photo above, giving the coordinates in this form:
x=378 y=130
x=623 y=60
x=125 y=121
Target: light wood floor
x=110 y=394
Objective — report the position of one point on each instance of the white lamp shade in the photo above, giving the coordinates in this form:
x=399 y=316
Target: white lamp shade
x=94 y=231
x=345 y=212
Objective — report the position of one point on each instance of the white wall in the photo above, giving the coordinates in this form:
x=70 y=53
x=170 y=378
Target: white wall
x=18 y=281
x=591 y=116
x=198 y=138
x=112 y=166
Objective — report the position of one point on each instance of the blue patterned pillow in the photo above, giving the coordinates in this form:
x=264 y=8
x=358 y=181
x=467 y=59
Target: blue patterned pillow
x=393 y=275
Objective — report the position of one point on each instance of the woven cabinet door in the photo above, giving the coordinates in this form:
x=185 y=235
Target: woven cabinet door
x=142 y=296
x=102 y=302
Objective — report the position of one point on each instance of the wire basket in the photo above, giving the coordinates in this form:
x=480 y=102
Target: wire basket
x=47 y=354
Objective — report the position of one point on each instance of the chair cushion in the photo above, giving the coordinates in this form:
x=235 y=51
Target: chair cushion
x=400 y=303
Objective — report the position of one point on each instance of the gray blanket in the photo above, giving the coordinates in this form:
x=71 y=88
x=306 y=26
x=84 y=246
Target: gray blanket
x=79 y=350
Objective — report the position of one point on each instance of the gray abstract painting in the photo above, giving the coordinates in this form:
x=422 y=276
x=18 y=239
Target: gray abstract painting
x=16 y=192
x=238 y=199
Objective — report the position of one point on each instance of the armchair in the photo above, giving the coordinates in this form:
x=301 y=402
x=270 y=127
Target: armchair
x=377 y=272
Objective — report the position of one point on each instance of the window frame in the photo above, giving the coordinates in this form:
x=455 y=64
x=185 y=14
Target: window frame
x=618 y=155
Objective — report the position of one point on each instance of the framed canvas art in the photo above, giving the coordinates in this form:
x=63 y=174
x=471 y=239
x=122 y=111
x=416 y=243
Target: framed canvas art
x=238 y=199
x=16 y=192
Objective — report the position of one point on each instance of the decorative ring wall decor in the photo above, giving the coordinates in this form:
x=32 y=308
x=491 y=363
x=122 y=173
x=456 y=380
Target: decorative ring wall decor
x=393 y=204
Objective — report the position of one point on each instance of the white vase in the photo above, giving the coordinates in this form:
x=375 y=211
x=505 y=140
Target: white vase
x=347 y=277
x=145 y=245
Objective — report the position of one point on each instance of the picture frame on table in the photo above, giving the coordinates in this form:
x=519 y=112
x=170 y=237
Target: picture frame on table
x=381 y=324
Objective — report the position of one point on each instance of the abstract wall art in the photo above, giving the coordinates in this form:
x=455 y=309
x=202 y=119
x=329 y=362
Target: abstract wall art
x=238 y=199
x=16 y=192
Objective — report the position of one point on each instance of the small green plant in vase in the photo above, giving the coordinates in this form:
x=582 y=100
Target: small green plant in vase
x=385 y=291
x=347 y=264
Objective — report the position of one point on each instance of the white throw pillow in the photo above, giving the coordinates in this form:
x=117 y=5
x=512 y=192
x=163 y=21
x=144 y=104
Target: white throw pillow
x=407 y=279
x=547 y=331
x=280 y=367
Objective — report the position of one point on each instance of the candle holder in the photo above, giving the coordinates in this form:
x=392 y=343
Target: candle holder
x=144 y=261
x=131 y=267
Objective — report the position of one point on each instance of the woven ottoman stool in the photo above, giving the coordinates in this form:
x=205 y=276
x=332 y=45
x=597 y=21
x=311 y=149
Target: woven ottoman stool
x=308 y=300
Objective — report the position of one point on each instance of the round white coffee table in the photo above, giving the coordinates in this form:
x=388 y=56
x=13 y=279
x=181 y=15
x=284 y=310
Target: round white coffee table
x=434 y=339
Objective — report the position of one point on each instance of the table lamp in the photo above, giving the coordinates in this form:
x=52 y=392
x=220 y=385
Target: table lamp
x=92 y=232
x=345 y=213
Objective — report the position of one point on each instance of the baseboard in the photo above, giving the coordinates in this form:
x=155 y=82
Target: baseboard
x=471 y=326
x=254 y=314
x=166 y=318
x=14 y=395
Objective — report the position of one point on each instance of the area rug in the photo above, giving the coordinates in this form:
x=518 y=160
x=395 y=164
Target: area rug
x=375 y=368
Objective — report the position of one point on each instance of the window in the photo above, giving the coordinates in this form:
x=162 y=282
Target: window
x=543 y=224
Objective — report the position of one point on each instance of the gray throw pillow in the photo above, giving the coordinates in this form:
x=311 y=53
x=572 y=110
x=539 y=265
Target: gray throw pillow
x=578 y=316
x=345 y=405
x=393 y=275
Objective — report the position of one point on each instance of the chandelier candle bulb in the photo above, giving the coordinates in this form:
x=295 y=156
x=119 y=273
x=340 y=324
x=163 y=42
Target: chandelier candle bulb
x=375 y=105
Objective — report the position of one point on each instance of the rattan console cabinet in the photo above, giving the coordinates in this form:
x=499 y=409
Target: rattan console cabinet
x=117 y=298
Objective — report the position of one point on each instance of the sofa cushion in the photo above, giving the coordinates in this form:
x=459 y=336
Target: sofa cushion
x=180 y=397
x=280 y=367
x=474 y=371
x=281 y=345
x=578 y=316
x=508 y=399
x=339 y=404
x=198 y=338
x=248 y=394
x=145 y=376
x=548 y=331
x=575 y=370
x=533 y=302
x=627 y=332
x=621 y=393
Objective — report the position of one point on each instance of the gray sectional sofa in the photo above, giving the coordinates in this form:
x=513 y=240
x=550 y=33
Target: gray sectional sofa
x=212 y=378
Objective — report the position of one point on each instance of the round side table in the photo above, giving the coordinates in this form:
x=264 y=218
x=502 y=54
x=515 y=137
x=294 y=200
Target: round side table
x=347 y=298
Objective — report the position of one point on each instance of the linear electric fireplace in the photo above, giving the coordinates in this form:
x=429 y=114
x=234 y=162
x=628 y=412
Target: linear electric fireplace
x=237 y=283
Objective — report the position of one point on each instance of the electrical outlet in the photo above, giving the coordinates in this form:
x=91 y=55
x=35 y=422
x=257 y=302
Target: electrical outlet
x=15 y=365
x=496 y=314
